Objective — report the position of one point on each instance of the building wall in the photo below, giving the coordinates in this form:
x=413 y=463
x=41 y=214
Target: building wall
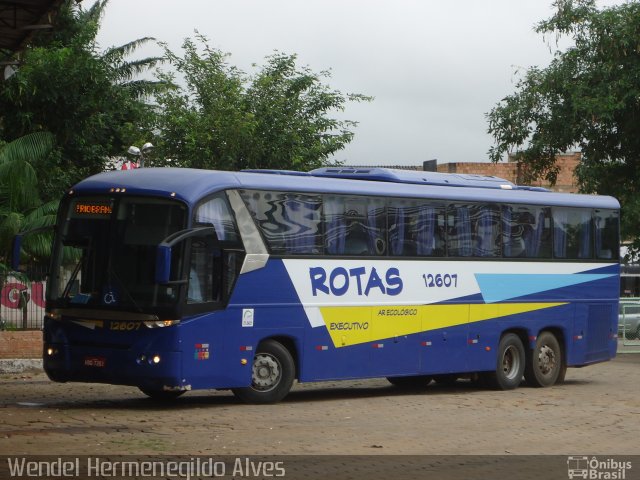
x=512 y=171
x=508 y=171
x=21 y=344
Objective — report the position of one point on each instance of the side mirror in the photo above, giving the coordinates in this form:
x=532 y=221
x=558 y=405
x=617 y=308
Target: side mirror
x=163 y=264
x=164 y=251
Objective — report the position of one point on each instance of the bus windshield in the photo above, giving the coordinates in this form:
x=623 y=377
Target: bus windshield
x=105 y=253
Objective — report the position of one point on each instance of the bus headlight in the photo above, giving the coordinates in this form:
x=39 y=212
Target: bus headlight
x=52 y=314
x=155 y=359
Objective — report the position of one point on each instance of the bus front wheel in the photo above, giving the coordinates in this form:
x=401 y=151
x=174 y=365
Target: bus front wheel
x=272 y=374
x=545 y=365
x=510 y=364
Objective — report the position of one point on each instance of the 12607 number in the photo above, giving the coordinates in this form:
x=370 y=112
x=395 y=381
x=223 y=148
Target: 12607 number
x=440 y=280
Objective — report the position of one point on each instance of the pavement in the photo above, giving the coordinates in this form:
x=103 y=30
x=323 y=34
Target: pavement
x=596 y=411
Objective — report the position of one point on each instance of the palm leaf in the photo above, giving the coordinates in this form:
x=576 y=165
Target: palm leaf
x=10 y=225
x=31 y=147
x=38 y=245
x=121 y=51
x=145 y=88
x=128 y=70
x=94 y=13
x=42 y=216
x=18 y=186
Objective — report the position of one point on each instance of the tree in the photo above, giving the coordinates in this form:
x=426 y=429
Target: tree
x=588 y=98
x=92 y=102
x=20 y=206
x=225 y=119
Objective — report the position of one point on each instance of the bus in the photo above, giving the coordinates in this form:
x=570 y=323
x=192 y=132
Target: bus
x=173 y=280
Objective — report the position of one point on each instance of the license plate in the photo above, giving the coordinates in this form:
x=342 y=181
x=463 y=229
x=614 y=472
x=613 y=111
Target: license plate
x=94 y=362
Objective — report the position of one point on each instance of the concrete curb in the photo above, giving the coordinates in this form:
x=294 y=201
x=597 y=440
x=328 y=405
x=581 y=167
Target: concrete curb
x=19 y=365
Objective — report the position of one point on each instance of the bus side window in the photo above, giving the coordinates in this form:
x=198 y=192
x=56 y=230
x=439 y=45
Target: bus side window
x=216 y=212
x=289 y=222
x=204 y=273
x=526 y=231
x=459 y=240
x=207 y=274
x=572 y=233
x=606 y=234
x=354 y=225
x=416 y=228
x=486 y=230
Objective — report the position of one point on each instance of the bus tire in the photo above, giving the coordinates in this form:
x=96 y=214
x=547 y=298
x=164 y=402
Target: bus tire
x=510 y=364
x=413 y=381
x=546 y=365
x=272 y=373
x=161 y=395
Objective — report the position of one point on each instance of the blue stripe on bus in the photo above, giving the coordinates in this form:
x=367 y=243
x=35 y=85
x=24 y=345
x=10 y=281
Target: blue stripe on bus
x=501 y=287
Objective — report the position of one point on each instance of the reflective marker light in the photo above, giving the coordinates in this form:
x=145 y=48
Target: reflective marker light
x=52 y=314
x=243 y=361
x=161 y=323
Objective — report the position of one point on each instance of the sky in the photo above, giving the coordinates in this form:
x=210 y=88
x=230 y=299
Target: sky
x=434 y=67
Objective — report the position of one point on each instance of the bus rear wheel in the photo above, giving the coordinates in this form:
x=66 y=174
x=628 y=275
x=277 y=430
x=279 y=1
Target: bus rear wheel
x=546 y=365
x=272 y=374
x=510 y=364
x=413 y=381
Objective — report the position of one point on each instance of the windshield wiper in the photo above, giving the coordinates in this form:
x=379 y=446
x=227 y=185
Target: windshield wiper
x=74 y=274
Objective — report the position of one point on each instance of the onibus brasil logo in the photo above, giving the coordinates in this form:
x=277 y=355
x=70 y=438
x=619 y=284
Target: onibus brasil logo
x=596 y=468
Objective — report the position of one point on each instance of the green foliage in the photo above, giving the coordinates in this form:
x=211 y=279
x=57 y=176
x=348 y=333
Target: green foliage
x=225 y=119
x=588 y=98
x=92 y=103
x=20 y=205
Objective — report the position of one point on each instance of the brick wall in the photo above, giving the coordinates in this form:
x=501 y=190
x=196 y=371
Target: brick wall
x=511 y=171
x=508 y=171
x=21 y=344
x=566 y=181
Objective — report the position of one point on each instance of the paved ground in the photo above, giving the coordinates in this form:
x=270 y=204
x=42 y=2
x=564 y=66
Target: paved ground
x=597 y=411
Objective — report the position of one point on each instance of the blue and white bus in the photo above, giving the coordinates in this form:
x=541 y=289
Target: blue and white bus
x=174 y=279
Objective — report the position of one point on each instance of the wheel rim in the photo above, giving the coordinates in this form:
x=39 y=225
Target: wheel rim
x=547 y=360
x=266 y=372
x=511 y=362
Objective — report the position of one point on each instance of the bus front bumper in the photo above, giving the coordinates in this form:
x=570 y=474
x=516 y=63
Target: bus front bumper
x=155 y=370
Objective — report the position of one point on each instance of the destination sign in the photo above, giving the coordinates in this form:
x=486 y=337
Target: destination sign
x=93 y=209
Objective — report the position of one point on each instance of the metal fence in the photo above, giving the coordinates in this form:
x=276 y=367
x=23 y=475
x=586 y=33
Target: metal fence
x=22 y=300
x=629 y=325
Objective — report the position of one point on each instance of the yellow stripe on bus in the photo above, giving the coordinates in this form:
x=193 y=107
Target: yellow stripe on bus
x=362 y=324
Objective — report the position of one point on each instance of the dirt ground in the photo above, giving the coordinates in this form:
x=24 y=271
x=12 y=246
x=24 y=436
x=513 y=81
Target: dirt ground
x=597 y=411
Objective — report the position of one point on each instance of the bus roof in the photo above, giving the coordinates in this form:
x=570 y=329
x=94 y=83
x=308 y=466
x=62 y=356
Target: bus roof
x=191 y=185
